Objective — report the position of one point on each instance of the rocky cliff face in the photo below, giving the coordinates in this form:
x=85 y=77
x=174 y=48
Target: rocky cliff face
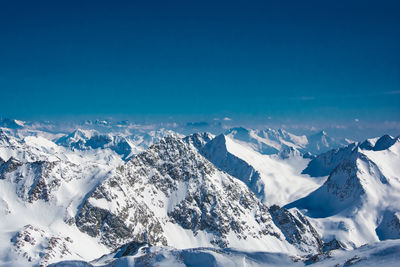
x=36 y=174
x=216 y=152
x=297 y=229
x=389 y=225
x=199 y=140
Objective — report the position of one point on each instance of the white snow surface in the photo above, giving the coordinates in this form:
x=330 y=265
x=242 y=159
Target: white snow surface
x=276 y=174
x=385 y=253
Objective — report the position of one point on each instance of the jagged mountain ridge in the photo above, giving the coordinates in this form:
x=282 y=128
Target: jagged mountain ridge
x=125 y=145
x=272 y=141
x=139 y=137
x=325 y=163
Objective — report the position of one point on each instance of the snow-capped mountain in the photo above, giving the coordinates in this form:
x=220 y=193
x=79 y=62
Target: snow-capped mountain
x=171 y=195
x=11 y=124
x=358 y=203
x=320 y=142
x=271 y=141
x=326 y=162
x=148 y=197
x=84 y=139
x=124 y=145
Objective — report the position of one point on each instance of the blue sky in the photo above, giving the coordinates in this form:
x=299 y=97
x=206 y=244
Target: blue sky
x=288 y=60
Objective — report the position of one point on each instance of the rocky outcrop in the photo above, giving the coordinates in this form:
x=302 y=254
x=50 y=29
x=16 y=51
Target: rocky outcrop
x=216 y=152
x=198 y=140
x=30 y=241
x=9 y=166
x=389 y=226
x=38 y=180
x=132 y=221
x=297 y=229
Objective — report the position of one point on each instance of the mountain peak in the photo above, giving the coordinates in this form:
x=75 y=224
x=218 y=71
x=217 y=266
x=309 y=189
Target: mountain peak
x=384 y=142
x=238 y=132
x=319 y=134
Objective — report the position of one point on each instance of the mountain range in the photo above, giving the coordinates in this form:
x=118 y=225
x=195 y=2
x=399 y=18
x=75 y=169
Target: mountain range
x=108 y=195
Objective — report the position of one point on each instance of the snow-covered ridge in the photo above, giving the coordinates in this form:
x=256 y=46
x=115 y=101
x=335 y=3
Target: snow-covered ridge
x=358 y=203
x=271 y=141
x=124 y=145
x=326 y=162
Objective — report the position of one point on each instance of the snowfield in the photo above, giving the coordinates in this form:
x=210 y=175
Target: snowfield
x=385 y=253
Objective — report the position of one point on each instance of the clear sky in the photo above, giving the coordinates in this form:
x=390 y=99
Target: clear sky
x=305 y=60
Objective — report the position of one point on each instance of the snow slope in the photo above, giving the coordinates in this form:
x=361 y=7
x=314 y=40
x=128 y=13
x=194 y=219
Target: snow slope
x=358 y=204
x=264 y=174
x=386 y=253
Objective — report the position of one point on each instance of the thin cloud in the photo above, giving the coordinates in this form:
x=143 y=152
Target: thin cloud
x=395 y=92
x=303 y=98
x=306 y=98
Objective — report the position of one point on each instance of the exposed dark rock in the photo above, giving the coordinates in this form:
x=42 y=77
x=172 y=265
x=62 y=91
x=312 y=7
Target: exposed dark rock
x=296 y=229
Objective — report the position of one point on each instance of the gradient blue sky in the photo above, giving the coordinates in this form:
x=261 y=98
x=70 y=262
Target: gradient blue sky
x=303 y=60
